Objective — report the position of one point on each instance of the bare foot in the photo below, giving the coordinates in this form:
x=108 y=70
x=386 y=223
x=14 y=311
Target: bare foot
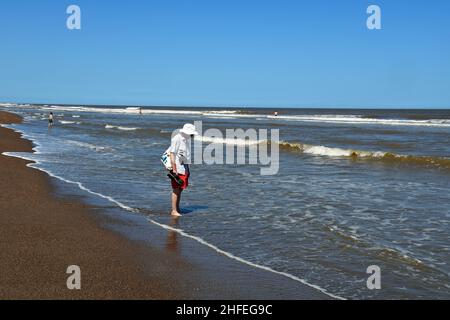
x=176 y=214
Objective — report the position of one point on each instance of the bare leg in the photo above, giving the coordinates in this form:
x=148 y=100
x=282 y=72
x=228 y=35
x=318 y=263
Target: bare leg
x=178 y=201
x=176 y=197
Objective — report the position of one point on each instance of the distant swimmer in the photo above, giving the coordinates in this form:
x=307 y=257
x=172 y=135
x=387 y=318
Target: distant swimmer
x=50 y=120
x=176 y=159
x=275 y=114
x=140 y=111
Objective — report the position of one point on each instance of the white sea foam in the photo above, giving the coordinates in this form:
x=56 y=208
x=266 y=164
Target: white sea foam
x=228 y=141
x=335 y=152
x=222 y=112
x=35 y=165
x=331 y=118
x=228 y=114
x=326 y=151
x=309 y=149
x=231 y=256
x=358 y=119
x=121 y=128
x=89 y=145
x=67 y=122
x=338 y=152
x=221 y=117
x=134 y=110
x=426 y=161
x=119 y=110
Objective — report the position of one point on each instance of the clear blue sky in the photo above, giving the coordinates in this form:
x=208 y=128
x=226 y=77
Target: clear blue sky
x=227 y=53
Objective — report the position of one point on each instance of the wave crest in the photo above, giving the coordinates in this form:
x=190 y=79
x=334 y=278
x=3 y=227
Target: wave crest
x=121 y=128
x=428 y=161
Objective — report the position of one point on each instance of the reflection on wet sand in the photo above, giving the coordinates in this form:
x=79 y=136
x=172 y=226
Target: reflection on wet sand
x=172 y=236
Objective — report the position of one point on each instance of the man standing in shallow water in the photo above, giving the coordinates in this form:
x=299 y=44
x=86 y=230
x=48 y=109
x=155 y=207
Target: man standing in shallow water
x=180 y=157
x=50 y=120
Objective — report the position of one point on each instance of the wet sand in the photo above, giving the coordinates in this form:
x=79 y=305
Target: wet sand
x=42 y=234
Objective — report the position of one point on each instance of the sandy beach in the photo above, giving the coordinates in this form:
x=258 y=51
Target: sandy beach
x=42 y=234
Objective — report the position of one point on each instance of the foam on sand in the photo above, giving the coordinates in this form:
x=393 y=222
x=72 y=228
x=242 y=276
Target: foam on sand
x=231 y=256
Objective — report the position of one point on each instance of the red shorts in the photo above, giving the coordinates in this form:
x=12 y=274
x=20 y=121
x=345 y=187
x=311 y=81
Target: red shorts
x=185 y=179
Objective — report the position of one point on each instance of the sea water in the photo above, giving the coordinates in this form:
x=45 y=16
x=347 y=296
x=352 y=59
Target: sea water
x=355 y=188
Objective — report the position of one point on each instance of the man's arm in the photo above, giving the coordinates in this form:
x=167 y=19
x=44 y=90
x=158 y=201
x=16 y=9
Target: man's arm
x=173 y=163
x=173 y=152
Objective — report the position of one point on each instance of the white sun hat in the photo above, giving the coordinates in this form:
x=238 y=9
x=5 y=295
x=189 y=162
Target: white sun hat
x=189 y=129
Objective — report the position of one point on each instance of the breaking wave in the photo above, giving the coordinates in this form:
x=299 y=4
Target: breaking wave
x=324 y=151
x=68 y=122
x=121 y=128
x=428 y=161
x=229 y=141
x=375 y=119
x=358 y=119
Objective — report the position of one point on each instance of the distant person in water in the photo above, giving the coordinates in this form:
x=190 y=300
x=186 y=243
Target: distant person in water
x=50 y=120
x=179 y=153
x=140 y=111
x=275 y=114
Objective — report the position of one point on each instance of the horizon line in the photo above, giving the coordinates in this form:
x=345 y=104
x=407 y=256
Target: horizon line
x=225 y=107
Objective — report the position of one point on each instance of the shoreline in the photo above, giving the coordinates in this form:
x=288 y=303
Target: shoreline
x=42 y=235
x=57 y=232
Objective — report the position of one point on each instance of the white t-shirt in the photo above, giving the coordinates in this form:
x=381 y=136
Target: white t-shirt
x=181 y=147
